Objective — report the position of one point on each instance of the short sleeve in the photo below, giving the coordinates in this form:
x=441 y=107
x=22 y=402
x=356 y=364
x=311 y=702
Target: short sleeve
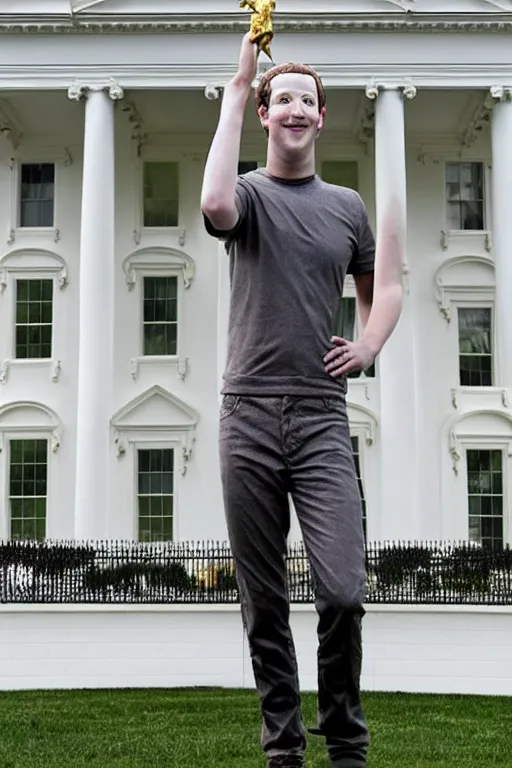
x=363 y=259
x=242 y=204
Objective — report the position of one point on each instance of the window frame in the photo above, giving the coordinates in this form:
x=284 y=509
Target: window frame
x=179 y=294
x=461 y=304
x=7 y=496
x=174 y=236
x=159 y=261
x=349 y=292
x=486 y=194
x=146 y=443
x=61 y=159
x=158 y=445
x=29 y=264
x=14 y=325
x=52 y=436
x=505 y=490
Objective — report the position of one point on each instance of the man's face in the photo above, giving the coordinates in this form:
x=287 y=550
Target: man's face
x=293 y=118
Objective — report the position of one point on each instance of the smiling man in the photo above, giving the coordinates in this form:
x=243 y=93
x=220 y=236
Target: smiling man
x=284 y=429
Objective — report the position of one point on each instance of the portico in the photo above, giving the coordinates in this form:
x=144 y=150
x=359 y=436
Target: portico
x=402 y=114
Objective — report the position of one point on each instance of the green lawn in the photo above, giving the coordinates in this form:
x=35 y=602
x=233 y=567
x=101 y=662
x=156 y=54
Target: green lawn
x=210 y=729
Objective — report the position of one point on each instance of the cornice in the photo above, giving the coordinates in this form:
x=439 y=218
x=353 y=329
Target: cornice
x=190 y=23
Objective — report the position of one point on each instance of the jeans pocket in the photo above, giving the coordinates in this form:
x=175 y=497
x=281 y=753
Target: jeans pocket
x=229 y=405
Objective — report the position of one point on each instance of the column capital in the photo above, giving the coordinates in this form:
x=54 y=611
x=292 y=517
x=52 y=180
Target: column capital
x=373 y=90
x=501 y=93
x=79 y=91
x=213 y=91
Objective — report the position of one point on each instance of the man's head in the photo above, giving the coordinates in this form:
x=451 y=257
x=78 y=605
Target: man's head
x=290 y=101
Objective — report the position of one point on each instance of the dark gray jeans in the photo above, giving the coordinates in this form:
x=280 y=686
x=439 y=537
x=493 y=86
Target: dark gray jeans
x=271 y=447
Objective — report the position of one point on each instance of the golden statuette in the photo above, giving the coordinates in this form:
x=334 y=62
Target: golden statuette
x=262 y=30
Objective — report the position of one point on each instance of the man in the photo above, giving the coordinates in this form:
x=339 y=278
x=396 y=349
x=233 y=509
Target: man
x=283 y=425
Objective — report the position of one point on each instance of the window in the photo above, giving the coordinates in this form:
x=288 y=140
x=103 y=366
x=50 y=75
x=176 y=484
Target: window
x=355 y=451
x=465 y=196
x=156 y=494
x=34 y=310
x=475 y=346
x=345 y=325
x=37 y=195
x=343 y=173
x=161 y=194
x=28 y=488
x=245 y=166
x=160 y=315
x=485 y=497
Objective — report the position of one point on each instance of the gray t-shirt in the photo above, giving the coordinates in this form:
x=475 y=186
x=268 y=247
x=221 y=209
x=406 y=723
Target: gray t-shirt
x=294 y=243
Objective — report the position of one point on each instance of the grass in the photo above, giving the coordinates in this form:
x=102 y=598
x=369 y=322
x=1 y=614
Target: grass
x=220 y=729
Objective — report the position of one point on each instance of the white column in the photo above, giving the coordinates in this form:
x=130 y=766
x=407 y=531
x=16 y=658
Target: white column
x=502 y=230
x=396 y=369
x=95 y=351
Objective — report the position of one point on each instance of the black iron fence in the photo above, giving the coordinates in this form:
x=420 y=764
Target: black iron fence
x=128 y=572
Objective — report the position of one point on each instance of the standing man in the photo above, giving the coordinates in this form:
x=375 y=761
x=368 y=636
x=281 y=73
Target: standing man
x=283 y=425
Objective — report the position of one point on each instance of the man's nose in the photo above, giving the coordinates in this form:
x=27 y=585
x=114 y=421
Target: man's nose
x=297 y=107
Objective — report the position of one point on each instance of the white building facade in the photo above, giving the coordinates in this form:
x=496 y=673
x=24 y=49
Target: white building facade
x=114 y=300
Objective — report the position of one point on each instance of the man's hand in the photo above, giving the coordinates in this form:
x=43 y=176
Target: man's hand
x=348 y=356
x=248 y=62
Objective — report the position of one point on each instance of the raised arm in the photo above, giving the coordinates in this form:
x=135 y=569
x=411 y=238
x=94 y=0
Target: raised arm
x=218 y=200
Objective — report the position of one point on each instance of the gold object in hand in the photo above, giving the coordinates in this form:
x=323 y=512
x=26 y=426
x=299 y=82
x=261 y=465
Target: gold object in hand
x=262 y=29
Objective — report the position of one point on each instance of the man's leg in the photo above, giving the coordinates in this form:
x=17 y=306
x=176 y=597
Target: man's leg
x=255 y=485
x=328 y=504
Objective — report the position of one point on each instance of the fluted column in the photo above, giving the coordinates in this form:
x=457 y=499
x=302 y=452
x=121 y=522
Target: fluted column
x=396 y=369
x=502 y=230
x=95 y=351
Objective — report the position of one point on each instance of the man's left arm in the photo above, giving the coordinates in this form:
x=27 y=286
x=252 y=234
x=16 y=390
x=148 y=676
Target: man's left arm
x=379 y=299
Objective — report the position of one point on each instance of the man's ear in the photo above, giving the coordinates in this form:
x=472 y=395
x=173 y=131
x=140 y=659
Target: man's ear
x=321 y=117
x=263 y=116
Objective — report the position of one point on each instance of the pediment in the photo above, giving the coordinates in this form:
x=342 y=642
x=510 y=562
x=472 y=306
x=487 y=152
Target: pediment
x=467 y=271
x=483 y=423
x=27 y=414
x=155 y=409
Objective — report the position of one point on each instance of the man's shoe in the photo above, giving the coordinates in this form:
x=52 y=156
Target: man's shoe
x=286 y=761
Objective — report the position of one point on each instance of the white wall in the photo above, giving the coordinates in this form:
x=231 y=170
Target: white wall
x=406 y=648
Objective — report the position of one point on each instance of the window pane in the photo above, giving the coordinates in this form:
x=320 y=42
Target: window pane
x=485 y=497
x=37 y=195
x=465 y=196
x=156 y=506
x=342 y=173
x=28 y=488
x=161 y=194
x=475 y=346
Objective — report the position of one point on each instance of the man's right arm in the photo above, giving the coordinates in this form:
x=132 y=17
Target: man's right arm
x=218 y=197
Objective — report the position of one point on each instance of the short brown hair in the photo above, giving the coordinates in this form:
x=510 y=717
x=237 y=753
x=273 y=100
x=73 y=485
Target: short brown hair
x=262 y=95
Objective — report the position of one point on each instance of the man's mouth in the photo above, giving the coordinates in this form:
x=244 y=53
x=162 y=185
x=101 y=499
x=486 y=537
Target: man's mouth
x=296 y=128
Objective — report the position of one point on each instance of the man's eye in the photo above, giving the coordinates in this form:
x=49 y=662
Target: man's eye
x=284 y=99
x=309 y=102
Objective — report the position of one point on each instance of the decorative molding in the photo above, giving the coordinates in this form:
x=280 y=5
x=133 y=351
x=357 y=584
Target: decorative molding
x=53 y=427
x=179 y=23
x=158 y=259
x=452 y=290
x=79 y=90
x=213 y=91
x=181 y=363
x=179 y=428
x=373 y=89
x=4 y=371
x=480 y=120
x=36 y=261
x=456 y=440
x=455 y=451
x=448 y=235
x=501 y=93
x=454 y=397
x=364 y=420
x=138 y=133
x=505 y=398
x=10 y=126
x=57 y=368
